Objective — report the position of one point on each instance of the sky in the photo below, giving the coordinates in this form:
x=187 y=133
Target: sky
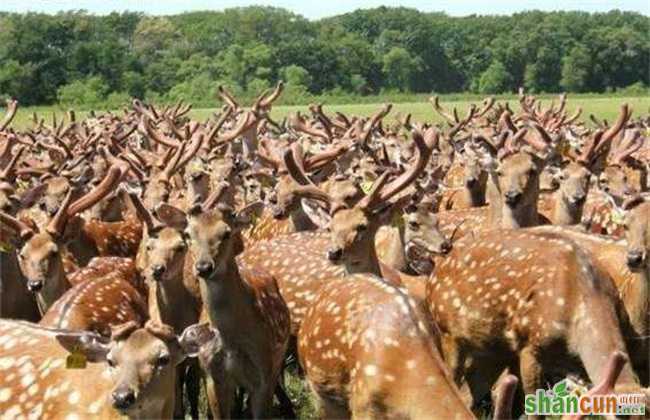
x=314 y=9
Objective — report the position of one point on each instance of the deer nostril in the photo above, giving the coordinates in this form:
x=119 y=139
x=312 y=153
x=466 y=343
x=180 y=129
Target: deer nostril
x=512 y=197
x=335 y=254
x=123 y=399
x=34 y=286
x=158 y=271
x=634 y=259
x=204 y=267
x=445 y=247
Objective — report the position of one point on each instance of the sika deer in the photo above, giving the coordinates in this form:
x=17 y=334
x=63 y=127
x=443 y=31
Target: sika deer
x=41 y=254
x=238 y=299
x=368 y=351
x=163 y=262
x=301 y=261
x=499 y=306
x=136 y=383
x=627 y=264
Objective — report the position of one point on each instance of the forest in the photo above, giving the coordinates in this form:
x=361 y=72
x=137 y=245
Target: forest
x=78 y=59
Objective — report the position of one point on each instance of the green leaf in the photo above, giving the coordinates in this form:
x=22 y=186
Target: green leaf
x=560 y=390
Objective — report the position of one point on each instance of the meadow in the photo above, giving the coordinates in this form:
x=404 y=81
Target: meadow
x=602 y=106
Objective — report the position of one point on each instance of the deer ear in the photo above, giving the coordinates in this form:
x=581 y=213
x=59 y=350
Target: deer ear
x=91 y=345
x=171 y=216
x=202 y=341
x=32 y=195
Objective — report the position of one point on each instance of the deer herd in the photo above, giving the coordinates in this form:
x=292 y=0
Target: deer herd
x=412 y=270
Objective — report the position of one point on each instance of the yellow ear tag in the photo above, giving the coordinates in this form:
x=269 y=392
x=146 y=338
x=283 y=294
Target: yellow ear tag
x=5 y=247
x=75 y=360
x=618 y=217
x=397 y=221
x=366 y=186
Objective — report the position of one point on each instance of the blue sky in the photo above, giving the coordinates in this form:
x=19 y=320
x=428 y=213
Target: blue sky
x=318 y=9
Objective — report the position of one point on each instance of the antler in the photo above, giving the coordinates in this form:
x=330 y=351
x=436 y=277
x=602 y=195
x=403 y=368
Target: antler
x=435 y=101
x=12 y=107
x=22 y=229
x=108 y=184
x=626 y=146
x=424 y=144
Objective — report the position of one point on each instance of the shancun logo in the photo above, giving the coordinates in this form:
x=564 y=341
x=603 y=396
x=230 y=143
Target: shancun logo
x=561 y=400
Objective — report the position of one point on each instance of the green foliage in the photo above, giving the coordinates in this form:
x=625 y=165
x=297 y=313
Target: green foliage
x=495 y=79
x=296 y=75
x=91 y=92
x=575 y=69
x=365 y=52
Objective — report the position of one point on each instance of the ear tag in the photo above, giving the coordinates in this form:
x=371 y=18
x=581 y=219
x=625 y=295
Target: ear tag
x=618 y=216
x=75 y=360
x=397 y=221
x=6 y=248
x=265 y=182
x=366 y=186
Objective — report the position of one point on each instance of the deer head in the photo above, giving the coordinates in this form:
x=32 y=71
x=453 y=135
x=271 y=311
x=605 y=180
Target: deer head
x=40 y=255
x=637 y=232
x=163 y=248
x=142 y=361
x=352 y=230
x=422 y=237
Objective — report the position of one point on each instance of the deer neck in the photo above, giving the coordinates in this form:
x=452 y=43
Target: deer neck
x=362 y=258
x=524 y=214
x=227 y=298
x=564 y=212
x=170 y=294
x=475 y=197
x=54 y=287
x=493 y=196
x=639 y=292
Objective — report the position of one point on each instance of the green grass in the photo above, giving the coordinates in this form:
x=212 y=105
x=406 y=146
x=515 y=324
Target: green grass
x=600 y=105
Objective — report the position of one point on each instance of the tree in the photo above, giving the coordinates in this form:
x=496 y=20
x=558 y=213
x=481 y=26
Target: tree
x=399 y=68
x=575 y=69
x=296 y=75
x=495 y=79
x=91 y=91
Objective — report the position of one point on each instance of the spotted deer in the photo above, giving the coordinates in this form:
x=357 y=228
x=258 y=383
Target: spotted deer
x=106 y=293
x=164 y=264
x=627 y=265
x=301 y=261
x=40 y=255
x=602 y=212
x=368 y=351
x=513 y=186
x=237 y=298
x=132 y=375
x=497 y=306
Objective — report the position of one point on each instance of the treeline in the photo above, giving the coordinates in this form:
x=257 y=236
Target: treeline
x=81 y=59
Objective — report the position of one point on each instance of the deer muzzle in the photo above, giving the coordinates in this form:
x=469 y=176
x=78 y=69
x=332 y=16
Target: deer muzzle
x=123 y=398
x=635 y=259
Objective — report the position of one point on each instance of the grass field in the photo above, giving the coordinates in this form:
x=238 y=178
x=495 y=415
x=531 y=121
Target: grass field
x=601 y=106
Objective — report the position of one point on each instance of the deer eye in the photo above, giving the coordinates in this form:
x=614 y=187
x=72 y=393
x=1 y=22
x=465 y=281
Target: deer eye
x=225 y=235
x=180 y=247
x=499 y=173
x=163 y=360
x=362 y=228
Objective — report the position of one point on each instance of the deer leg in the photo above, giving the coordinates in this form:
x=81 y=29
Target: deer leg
x=286 y=406
x=260 y=401
x=179 y=412
x=530 y=369
x=192 y=387
x=213 y=398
